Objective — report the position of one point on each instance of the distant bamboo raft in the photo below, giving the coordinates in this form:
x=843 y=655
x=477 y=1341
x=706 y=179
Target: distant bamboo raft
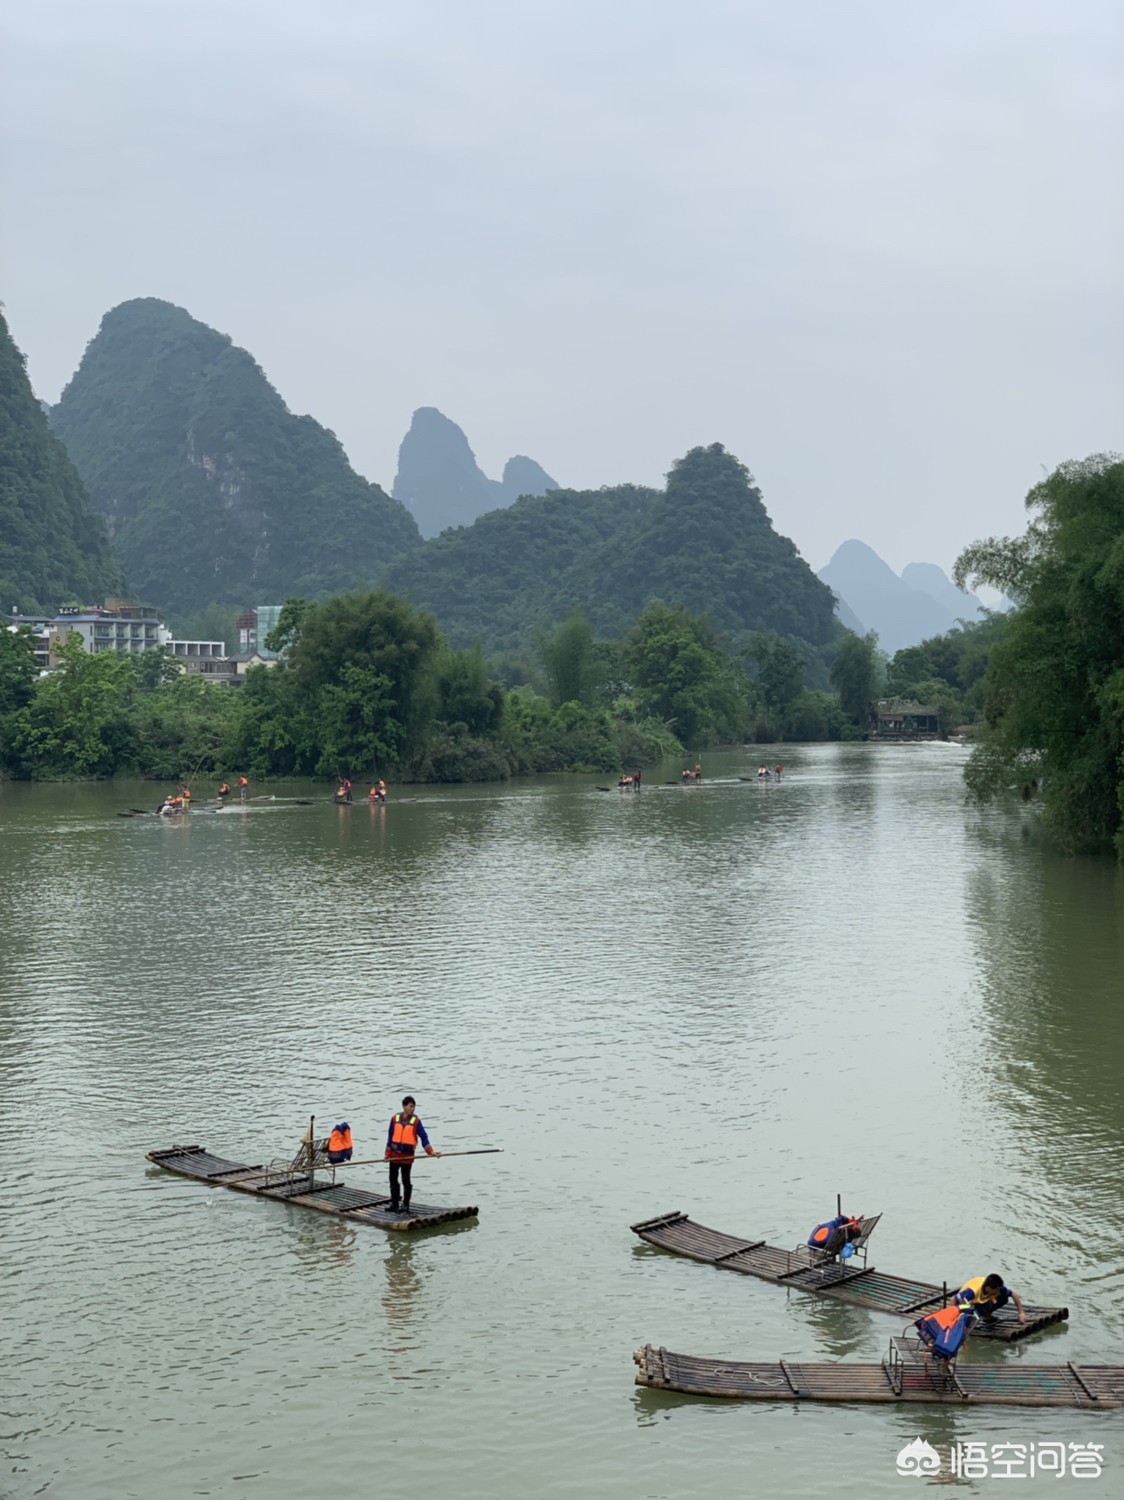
x=357 y=1205
x=903 y=1376
x=861 y=1286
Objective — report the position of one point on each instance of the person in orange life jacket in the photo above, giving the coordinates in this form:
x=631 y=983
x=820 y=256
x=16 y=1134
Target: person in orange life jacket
x=339 y=1144
x=224 y=790
x=243 y=787
x=985 y=1295
x=402 y=1138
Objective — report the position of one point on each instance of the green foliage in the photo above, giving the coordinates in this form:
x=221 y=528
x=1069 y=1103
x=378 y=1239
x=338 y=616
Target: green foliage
x=355 y=693
x=288 y=626
x=706 y=543
x=17 y=669
x=854 y=674
x=1053 y=701
x=573 y=737
x=780 y=673
x=957 y=661
x=52 y=545
x=681 y=678
x=213 y=489
x=815 y=717
x=467 y=699
x=17 y=686
x=180 y=727
x=153 y=668
x=570 y=662
x=76 y=722
x=366 y=685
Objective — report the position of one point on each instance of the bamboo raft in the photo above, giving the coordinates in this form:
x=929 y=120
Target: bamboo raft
x=291 y=1183
x=903 y=1376
x=861 y=1286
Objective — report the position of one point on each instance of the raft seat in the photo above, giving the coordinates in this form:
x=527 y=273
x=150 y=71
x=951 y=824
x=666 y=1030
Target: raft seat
x=908 y=1357
x=805 y=1258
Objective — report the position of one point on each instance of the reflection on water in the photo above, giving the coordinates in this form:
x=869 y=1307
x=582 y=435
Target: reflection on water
x=735 y=1000
x=403 y=1281
x=833 y=1328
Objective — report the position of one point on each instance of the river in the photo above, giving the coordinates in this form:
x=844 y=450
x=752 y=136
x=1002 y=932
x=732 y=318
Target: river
x=736 y=1000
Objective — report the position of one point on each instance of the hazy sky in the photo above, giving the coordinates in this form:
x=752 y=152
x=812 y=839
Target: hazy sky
x=873 y=248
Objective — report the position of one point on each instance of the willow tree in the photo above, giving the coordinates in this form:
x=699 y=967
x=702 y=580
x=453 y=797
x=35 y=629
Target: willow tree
x=1054 y=689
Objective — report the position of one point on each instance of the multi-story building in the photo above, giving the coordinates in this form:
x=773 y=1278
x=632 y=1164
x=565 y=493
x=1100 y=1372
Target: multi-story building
x=253 y=627
x=134 y=628
x=114 y=626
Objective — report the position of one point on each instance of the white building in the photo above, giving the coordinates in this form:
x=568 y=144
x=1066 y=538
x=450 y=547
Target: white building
x=118 y=626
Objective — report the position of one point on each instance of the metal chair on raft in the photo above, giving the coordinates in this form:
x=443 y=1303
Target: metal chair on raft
x=842 y=1251
x=926 y=1352
x=312 y=1157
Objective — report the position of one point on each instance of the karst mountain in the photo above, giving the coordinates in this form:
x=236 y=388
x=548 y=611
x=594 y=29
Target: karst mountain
x=212 y=490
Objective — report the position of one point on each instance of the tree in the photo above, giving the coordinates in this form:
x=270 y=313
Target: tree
x=1054 y=687
x=780 y=673
x=570 y=663
x=680 y=677
x=854 y=673
x=17 y=669
x=360 y=669
x=288 y=628
x=153 y=668
x=466 y=693
x=75 y=725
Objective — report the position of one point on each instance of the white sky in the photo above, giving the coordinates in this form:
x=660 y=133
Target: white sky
x=872 y=246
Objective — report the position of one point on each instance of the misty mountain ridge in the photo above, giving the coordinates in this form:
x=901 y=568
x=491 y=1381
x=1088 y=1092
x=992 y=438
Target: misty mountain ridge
x=705 y=542
x=213 y=491
x=903 y=610
x=443 y=486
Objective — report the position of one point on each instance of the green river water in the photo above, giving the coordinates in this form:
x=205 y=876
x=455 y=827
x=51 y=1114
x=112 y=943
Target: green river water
x=735 y=1000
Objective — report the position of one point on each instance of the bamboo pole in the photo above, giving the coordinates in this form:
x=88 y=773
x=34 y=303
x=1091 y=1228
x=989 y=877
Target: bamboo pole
x=382 y=1161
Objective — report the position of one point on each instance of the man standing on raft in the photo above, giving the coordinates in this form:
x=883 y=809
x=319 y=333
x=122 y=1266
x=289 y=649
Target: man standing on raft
x=401 y=1143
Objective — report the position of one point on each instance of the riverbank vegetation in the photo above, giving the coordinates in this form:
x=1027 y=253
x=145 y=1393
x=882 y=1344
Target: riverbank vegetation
x=1053 y=692
x=368 y=686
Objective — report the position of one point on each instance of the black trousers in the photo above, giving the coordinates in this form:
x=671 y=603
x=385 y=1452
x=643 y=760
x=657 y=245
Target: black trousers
x=404 y=1167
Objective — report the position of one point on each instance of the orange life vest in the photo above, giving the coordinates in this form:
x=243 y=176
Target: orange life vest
x=339 y=1143
x=947 y=1316
x=823 y=1232
x=405 y=1132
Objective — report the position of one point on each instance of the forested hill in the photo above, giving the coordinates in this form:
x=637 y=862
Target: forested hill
x=213 y=491
x=706 y=541
x=53 y=547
